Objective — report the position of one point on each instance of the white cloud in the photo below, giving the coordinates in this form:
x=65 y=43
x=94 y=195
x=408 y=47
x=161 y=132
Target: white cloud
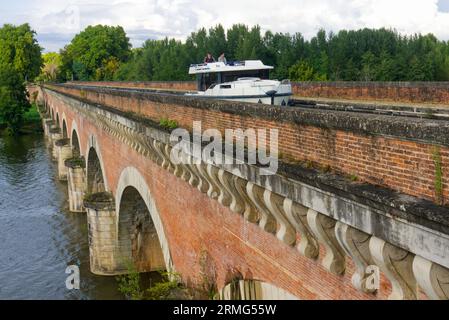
x=57 y=20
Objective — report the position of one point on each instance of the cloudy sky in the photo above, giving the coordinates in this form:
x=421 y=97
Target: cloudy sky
x=57 y=21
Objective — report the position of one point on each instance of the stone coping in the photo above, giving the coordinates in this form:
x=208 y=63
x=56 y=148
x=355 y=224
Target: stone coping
x=75 y=162
x=62 y=142
x=99 y=201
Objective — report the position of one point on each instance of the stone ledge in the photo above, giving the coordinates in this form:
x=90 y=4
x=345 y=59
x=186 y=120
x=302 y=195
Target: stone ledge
x=75 y=162
x=99 y=201
x=62 y=142
x=55 y=130
x=399 y=205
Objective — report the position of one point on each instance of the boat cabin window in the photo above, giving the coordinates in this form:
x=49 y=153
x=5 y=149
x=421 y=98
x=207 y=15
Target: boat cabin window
x=233 y=76
x=206 y=80
x=225 y=86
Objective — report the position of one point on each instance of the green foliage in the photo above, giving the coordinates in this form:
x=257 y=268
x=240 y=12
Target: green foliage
x=129 y=284
x=303 y=71
x=32 y=115
x=168 y=124
x=165 y=289
x=51 y=71
x=359 y=55
x=13 y=98
x=19 y=50
x=20 y=60
x=95 y=53
x=168 y=288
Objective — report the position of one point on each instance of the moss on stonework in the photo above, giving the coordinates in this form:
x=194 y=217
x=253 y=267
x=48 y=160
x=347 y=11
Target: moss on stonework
x=436 y=154
x=168 y=124
x=75 y=162
x=62 y=142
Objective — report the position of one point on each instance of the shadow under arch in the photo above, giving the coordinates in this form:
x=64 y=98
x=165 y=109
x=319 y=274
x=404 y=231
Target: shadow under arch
x=58 y=124
x=75 y=143
x=65 y=134
x=140 y=232
x=96 y=178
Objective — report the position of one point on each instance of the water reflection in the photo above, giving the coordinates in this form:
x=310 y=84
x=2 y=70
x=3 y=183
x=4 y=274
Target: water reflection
x=38 y=237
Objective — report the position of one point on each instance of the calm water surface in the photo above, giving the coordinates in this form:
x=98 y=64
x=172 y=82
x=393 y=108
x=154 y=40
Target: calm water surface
x=39 y=238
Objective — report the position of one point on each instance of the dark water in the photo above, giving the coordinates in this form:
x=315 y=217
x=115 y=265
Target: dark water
x=39 y=238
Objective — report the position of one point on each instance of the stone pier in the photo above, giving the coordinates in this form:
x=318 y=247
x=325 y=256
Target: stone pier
x=63 y=152
x=101 y=220
x=55 y=135
x=76 y=177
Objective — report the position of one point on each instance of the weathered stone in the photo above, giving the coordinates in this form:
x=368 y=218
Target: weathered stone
x=396 y=263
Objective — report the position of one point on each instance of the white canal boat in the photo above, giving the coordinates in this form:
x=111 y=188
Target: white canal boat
x=246 y=81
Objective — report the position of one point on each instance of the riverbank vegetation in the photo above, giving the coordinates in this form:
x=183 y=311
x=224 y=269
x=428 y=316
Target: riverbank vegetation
x=103 y=53
x=164 y=286
x=20 y=60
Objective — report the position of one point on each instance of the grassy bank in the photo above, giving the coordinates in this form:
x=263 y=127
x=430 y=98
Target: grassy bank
x=31 y=122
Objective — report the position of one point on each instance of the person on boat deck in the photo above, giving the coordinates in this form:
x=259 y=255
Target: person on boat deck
x=222 y=58
x=209 y=58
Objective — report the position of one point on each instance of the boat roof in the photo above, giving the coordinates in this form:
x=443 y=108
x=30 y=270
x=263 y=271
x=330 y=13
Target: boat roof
x=247 y=65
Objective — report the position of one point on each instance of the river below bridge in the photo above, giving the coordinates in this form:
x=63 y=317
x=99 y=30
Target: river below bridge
x=39 y=238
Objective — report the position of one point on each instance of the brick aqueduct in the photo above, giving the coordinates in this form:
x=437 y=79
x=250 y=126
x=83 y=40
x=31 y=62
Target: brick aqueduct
x=355 y=194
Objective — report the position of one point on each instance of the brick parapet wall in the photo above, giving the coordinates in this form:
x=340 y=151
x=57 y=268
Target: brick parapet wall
x=397 y=153
x=166 y=85
x=405 y=92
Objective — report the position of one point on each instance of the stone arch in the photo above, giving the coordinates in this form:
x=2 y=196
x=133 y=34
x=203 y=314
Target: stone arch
x=254 y=290
x=140 y=230
x=75 y=141
x=96 y=175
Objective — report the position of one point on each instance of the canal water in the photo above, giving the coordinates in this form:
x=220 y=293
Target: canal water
x=39 y=238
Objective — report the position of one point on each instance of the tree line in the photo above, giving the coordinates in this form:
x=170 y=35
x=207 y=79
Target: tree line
x=104 y=53
x=20 y=61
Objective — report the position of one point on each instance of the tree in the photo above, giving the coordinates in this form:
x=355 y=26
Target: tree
x=94 y=50
x=368 y=72
x=13 y=98
x=20 y=50
x=52 y=67
x=303 y=71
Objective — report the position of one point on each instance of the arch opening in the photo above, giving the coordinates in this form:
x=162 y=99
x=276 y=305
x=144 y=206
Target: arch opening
x=64 y=130
x=52 y=115
x=95 y=178
x=76 y=148
x=57 y=121
x=249 y=289
x=137 y=234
